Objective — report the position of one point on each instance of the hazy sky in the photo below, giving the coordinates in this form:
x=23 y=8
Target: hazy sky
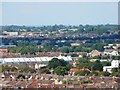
x=68 y=13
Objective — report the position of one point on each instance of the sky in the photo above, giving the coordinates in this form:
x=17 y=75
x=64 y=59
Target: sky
x=67 y=13
x=59 y=0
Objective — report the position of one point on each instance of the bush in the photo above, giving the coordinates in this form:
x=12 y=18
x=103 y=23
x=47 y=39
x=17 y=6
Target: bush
x=64 y=81
x=93 y=73
x=26 y=69
x=116 y=74
x=46 y=71
x=106 y=74
x=86 y=82
x=6 y=68
x=13 y=68
x=77 y=83
x=115 y=70
x=69 y=82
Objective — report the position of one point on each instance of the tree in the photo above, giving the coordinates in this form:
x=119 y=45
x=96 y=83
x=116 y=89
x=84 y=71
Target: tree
x=65 y=49
x=105 y=63
x=55 y=62
x=97 y=66
x=74 y=55
x=83 y=63
x=82 y=73
x=26 y=69
x=60 y=70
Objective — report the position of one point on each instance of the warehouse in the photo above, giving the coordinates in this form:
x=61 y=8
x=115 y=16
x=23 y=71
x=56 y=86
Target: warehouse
x=35 y=59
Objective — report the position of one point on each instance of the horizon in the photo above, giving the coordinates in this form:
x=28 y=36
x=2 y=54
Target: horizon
x=58 y=25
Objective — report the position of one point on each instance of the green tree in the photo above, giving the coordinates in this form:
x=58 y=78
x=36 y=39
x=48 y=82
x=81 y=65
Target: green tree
x=82 y=73
x=65 y=49
x=60 y=70
x=86 y=82
x=55 y=62
x=106 y=74
x=74 y=55
x=83 y=63
x=6 y=68
x=26 y=69
x=97 y=66
x=105 y=63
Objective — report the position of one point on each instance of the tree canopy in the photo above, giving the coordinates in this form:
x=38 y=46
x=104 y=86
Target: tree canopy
x=55 y=62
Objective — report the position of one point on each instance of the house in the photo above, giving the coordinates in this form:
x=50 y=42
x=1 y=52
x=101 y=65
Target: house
x=114 y=64
x=112 y=50
x=114 y=53
x=94 y=53
x=73 y=70
x=108 y=69
x=3 y=50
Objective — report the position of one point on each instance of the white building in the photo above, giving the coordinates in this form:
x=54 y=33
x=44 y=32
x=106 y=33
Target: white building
x=75 y=44
x=112 y=53
x=107 y=68
x=114 y=64
x=37 y=66
x=10 y=33
x=35 y=59
x=111 y=50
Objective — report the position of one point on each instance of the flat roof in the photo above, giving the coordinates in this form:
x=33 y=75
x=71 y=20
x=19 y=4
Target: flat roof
x=35 y=59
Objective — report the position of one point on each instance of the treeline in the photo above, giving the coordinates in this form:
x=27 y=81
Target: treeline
x=25 y=47
x=61 y=67
x=96 y=29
